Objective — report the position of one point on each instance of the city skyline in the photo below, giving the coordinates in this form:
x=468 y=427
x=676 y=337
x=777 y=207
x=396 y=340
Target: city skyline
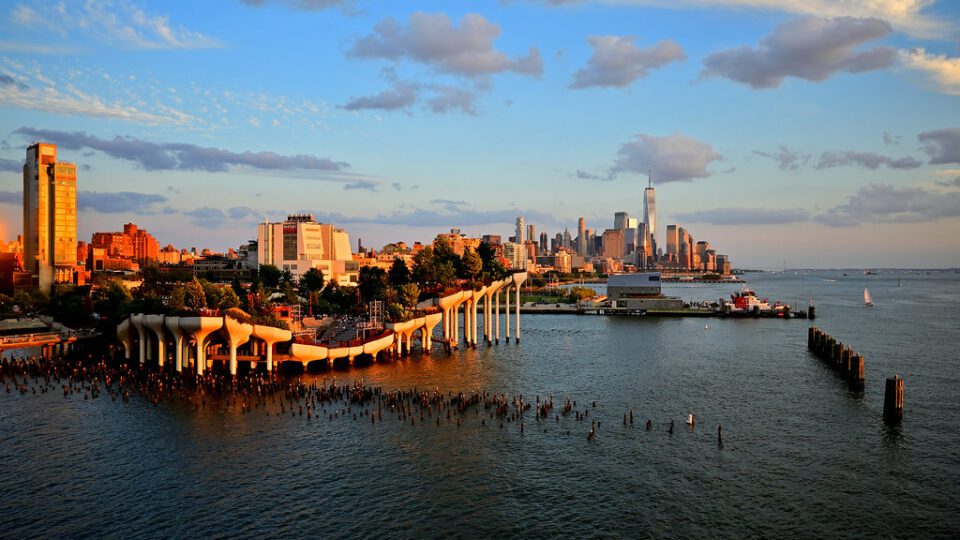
x=848 y=158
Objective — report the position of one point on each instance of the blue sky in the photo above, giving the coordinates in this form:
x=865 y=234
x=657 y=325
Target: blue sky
x=816 y=133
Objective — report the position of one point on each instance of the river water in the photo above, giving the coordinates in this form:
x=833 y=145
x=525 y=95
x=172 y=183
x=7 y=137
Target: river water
x=803 y=456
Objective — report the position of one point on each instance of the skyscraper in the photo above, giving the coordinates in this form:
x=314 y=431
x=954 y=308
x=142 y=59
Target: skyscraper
x=531 y=233
x=520 y=231
x=672 y=240
x=49 y=216
x=581 y=237
x=543 y=242
x=620 y=220
x=650 y=211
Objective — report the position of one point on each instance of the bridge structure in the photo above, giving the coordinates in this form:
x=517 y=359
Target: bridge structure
x=49 y=343
x=188 y=341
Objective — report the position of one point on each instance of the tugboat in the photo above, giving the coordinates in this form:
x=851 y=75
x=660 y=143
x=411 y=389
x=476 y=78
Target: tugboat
x=746 y=303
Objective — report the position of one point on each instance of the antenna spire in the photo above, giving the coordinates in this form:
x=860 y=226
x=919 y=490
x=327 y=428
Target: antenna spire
x=649 y=179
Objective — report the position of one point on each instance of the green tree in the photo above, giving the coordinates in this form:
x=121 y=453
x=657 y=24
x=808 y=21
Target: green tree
x=270 y=275
x=289 y=293
x=311 y=281
x=492 y=267
x=372 y=283
x=111 y=297
x=195 y=298
x=424 y=267
x=408 y=295
x=399 y=273
x=471 y=265
x=446 y=273
x=178 y=297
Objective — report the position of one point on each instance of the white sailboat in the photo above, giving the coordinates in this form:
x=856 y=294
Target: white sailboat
x=866 y=298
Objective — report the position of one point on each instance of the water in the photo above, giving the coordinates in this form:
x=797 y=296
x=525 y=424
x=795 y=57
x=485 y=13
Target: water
x=803 y=455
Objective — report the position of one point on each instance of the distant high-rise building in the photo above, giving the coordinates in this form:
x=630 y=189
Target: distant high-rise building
x=49 y=216
x=620 y=220
x=519 y=237
x=543 y=242
x=672 y=240
x=650 y=211
x=613 y=240
x=581 y=237
x=531 y=233
x=567 y=239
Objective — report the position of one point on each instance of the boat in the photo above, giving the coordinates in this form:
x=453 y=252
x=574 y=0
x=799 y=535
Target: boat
x=747 y=302
x=866 y=298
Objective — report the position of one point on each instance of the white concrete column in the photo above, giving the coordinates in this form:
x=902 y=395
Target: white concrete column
x=496 y=316
x=473 y=320
x=506 y=299
x=518 y=314
x=125 y=335
x=137 y=321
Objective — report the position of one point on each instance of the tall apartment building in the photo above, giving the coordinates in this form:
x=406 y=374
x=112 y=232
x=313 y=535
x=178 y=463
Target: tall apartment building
x=49 y=216
x=650 y=213
x=132 y=243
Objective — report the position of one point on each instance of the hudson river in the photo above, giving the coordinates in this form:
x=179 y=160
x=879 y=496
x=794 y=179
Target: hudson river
x=803 y=456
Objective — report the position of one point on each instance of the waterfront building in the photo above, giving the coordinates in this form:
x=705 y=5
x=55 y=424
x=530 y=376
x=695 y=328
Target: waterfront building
x=49 y=217
x=169 y=256
x=519 y=235
x=301 y=243
x=492 y=239
x=459 y=242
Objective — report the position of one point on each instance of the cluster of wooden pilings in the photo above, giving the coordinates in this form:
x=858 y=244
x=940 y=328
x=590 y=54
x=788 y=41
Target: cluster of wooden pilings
x=840 y=357
x=849 y=364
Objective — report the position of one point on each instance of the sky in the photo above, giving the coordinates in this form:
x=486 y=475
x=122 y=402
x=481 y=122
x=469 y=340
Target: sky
x=791 y=133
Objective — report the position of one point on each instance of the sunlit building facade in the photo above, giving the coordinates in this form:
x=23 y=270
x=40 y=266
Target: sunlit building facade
x=49 y=217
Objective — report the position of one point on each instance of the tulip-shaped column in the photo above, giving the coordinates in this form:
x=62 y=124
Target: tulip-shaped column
x=236 y=333
x=137 y=321
x=518 y=280
x=429 y=323
x=173 y=325
x=200 y=328
x=155 y=323
x=271 y=336
x=125 y=335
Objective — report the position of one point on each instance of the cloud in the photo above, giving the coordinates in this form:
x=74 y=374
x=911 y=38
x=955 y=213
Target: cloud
x=940 y=70
x=942 y=145
x=809 y=48
x=584 y=175
x=745 y=216
x=401 y=95
x=891 y=140
x=72 y=101
x=668 y=159
x=881 y=203
x=462 y=217
x=449 y=98
x=10 y=165
x=433 y=40
x=305 y=5
x=206 y=216
x=906 y=15
x=11 y=197
x=122 y=202
x=180 y=156
x=951 y=183
x=397 y=186
x=450 y=205
x=240 y=212
x=617 y=62
x=113 y=22
x=360 y=184
x=867 y=160
x=786 y=159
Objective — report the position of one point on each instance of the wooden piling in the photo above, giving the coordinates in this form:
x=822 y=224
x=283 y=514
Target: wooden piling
x=893 y=400
x=855 y=376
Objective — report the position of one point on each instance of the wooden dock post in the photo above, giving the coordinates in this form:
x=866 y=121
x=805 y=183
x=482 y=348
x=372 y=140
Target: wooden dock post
x=893 y=400
x=811 y=335
x=856 y=374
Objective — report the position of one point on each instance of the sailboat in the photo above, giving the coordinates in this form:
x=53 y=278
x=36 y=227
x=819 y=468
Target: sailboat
x=866 y=298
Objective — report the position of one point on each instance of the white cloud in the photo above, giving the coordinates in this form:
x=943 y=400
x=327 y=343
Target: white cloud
x=616 y=61
x=432 y=39
x=668 y=159
x=939 y=69
x=114 y=22
x=907 y=16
